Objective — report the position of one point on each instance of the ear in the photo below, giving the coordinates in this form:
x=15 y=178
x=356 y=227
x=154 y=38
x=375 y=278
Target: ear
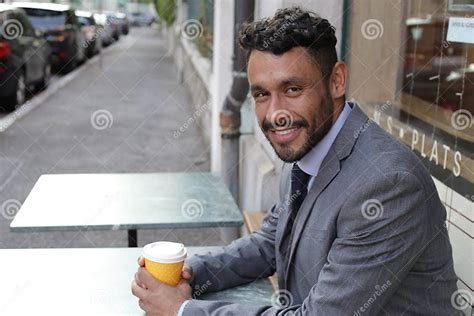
x=338 y=80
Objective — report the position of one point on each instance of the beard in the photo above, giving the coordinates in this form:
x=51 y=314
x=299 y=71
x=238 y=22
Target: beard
x=313 y=132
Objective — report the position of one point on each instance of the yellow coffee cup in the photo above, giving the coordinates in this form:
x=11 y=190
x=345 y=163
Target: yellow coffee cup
x=164 y=260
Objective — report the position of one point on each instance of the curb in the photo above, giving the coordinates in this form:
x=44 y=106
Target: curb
x=9 y=119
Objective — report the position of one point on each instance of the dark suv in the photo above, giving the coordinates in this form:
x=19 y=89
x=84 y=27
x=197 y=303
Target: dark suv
x=62 y=31
x=24 y=58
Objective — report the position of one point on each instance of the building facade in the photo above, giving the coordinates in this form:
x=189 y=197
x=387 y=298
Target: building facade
x=411 y=68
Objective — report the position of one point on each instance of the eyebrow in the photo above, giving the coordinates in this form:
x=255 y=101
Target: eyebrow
x=292 y=80
x=256 y=87
x=283 y=83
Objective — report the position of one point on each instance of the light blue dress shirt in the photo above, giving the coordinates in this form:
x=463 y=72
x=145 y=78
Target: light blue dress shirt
x=311 y=162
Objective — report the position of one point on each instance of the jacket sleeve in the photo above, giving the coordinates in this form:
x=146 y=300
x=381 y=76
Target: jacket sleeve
x=230 y=266
x=244 y=260
x=382 y=230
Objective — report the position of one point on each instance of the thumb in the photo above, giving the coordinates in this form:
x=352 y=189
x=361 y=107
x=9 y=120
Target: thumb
x=184 y=287
x=186 y=274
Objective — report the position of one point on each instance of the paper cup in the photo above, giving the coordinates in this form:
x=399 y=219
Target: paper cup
x=164 y=260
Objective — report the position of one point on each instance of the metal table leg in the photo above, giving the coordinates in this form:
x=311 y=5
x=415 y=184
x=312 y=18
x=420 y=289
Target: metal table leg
x=132 y=238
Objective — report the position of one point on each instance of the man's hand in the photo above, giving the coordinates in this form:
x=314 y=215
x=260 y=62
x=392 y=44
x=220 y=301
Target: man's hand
x=187 y=273
x=157 y=298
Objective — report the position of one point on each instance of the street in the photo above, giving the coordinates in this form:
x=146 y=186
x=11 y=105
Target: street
x=117 y=115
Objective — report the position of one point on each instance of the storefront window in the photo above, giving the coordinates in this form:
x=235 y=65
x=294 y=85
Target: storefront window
x=420 y=58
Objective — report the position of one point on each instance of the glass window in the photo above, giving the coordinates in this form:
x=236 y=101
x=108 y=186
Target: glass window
x=412 y=70
x=46 y=19
x=25 y=23
x=84 y=21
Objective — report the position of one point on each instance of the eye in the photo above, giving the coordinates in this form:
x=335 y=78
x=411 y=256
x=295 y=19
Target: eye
x=293 y=90
x=259 y=94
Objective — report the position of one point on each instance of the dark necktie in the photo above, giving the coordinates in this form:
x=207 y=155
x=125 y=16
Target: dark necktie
x=299 y=189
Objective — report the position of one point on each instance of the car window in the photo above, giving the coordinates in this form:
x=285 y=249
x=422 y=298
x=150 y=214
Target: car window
x=84 y=20
x=46 y=19
x=22 y=18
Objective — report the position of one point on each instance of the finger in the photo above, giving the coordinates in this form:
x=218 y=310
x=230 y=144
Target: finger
x=140 y=283
x=187 y=268
x=138 y=291
x=187 y=271
x=186 y=275
x=141 y=261
x=147 y=279
x=142 y=305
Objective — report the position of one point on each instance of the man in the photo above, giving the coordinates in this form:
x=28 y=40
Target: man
x=359 y=227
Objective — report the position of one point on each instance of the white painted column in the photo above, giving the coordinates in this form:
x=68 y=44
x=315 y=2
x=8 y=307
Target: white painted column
x=266 y=8
x=221 y=78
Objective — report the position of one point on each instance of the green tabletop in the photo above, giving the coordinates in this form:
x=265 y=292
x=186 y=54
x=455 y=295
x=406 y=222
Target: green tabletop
x=127 y=201
x=93 y=281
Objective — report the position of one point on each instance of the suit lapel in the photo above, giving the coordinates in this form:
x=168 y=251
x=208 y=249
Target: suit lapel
x=329 y=169
x=340 y=149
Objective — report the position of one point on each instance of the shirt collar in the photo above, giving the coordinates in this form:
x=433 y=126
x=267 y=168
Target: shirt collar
x=311 y=162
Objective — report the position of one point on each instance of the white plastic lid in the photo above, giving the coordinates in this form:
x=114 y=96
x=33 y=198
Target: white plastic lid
x=165 y=252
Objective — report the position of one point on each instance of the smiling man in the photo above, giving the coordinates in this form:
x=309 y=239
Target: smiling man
x=358 y=228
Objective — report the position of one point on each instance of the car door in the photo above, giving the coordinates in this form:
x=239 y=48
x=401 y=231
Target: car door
x=30 y=45
x=78 y=34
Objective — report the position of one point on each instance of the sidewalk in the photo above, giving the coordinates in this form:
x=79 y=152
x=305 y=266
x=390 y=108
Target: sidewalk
x=121 y=118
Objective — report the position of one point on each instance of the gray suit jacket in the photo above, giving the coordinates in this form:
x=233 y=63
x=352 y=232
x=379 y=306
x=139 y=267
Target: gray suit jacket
x=370 y=238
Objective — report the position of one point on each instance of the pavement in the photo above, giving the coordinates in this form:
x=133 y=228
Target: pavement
x=119 y=113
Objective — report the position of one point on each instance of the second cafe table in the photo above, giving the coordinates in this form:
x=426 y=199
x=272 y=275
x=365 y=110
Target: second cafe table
x=129 y=201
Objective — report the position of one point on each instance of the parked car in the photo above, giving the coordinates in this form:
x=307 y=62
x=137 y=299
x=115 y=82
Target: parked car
x=90 y=30
x=62 y=31
x=24 y=58
x=123 y=22
x=112 y=20
x=141 y=19
x=105 y=29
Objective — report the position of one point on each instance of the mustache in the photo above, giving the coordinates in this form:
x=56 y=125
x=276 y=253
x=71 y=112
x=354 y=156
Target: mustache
x=266 y=125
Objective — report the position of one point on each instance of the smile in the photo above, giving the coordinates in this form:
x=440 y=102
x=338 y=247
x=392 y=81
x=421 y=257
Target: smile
x=285 y=135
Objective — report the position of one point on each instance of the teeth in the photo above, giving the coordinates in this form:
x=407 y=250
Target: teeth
x=285 y=132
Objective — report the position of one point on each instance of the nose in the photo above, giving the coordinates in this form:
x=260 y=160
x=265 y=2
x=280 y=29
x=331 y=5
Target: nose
x=275 y=107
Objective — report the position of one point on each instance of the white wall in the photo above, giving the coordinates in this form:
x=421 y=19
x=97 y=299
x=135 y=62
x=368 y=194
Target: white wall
x=460 y=224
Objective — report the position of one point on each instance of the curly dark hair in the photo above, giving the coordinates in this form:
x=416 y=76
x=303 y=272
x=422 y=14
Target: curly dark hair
x=293 y=27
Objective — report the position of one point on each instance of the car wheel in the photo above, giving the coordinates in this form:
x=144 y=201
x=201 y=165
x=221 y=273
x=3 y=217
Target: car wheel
x=70 y=66
x=82 y=54
x=17 y=98
x=43 y=83
x=21 y=90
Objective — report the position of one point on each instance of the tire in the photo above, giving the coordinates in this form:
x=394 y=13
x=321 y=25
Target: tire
x=17 y=98
x=70 y=66
x=80 y=55
x=44 y=82
x=97 y=46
